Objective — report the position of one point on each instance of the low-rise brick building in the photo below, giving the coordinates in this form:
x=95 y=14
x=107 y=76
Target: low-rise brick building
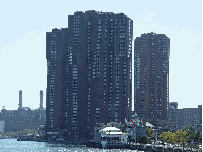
x=186 y=116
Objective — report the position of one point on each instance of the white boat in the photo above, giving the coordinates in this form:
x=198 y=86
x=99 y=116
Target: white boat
x=112 y=137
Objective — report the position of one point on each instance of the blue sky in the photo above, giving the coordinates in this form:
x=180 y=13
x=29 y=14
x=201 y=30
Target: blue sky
x=23 y=43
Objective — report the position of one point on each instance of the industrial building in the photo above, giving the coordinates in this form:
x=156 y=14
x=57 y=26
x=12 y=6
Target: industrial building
x=24 y=117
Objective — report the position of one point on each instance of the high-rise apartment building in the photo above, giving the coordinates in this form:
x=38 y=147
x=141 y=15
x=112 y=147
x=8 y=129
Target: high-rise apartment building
x=88 y=74
x=151 y=76
x=54 y=56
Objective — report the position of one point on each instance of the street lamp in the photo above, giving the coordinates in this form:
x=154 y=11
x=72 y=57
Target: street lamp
x=155 y=134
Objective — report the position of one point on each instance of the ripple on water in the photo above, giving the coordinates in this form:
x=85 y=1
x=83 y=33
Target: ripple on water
x=12 y=145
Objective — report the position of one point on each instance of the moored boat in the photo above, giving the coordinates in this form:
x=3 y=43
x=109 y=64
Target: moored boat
x=112 y=137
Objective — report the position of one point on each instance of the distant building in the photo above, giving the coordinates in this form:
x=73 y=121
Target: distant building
x=39 y=115
x=41 y=129
x=151 y=76
x=2 y=126
x=192 y=116
x=23 y=118
x=176 y=115
x=17 y=120
x=89 y=74
x=164 y=126
x=186 y=116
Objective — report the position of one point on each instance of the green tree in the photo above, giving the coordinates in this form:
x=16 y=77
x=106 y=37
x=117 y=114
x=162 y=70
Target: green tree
x=1 y=133
x=7 y=134
x=35 y=132
x=182 y=137
x=197 y=136
x=12 y=134
x=142 y=139
x=28 y=132
x=25 y=132
x=190 y=131
x=163 y=137
x=149 y=134
x=168 y=137
x=19 y=133
x=172 y=138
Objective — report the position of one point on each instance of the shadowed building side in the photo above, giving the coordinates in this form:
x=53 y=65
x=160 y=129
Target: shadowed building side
x=95 y=68
x=54 y=50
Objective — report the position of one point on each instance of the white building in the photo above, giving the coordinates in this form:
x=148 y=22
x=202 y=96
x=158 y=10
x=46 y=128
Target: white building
x=2 y=126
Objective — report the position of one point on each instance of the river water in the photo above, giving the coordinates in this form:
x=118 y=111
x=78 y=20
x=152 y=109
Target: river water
x=12 y=145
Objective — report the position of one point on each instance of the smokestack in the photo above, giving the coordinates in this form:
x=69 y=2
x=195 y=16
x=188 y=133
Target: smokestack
x=41 y=99
x=20 y=99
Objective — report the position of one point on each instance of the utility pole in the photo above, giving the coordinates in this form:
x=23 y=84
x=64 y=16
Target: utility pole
x=135 y=134
x=156 y=134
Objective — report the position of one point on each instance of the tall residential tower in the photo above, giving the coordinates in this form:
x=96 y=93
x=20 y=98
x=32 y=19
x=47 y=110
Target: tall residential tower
x=89 y=74
x=151 y=79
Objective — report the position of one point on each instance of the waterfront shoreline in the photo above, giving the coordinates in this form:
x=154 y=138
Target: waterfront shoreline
x=139 y=147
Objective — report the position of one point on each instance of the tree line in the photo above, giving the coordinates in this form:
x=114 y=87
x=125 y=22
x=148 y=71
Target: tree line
x=181 y=137
x=19 y=133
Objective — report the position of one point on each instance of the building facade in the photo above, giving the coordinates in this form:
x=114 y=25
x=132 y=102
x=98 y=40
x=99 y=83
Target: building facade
x=24 y=118
x=192 y=116
x=175 y=115
x=151 y=76
x=89 y=74
x=186 y=116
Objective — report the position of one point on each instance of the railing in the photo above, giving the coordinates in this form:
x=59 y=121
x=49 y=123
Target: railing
x=115 y=142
